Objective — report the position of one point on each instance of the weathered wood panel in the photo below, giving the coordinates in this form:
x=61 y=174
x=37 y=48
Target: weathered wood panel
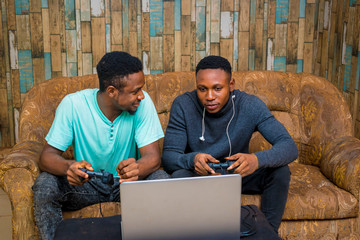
x=44 y=39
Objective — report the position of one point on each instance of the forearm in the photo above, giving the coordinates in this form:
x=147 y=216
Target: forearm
x=148 y=165
x=54 y=164
x=174 y=160
x=281 y=153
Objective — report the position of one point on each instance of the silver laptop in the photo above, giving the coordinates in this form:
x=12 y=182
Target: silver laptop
x=184 y=208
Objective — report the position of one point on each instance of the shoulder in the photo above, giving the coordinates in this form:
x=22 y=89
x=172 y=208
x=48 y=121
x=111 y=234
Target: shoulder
x=250 y=104
x=83 y=94
x=185 y=99
x=246 y=98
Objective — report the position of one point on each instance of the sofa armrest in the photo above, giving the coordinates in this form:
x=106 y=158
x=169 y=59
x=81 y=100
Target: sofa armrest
x=18 y=171
x=23 y=155
x=341 y=163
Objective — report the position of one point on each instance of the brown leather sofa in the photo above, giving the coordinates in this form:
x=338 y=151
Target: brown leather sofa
x=323 y=200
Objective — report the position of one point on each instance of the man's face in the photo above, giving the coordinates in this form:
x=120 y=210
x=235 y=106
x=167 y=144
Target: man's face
x=213 y=88
x=129 y=98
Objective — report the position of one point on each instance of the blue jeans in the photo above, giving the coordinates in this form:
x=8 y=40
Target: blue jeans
x=271 y=183
x=53 y=194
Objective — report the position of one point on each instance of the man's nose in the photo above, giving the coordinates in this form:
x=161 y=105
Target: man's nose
x=210 y=95
x=141 y=96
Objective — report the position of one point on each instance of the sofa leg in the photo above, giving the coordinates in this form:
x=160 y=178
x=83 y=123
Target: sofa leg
x=17 y=184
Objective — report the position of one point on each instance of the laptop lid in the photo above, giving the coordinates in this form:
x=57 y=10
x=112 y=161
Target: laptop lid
x=185 y=208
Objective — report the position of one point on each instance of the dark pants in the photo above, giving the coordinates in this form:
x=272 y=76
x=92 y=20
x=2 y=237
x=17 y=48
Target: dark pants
x=271 y=183
x=53 y=194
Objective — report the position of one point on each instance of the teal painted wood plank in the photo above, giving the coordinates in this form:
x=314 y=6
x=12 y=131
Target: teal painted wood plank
x=347 y=72
x=125 y=15
x=44 y=4
x=200 y=35
x=107 y=38
x=177 y=12
x=253 y=12
x=302 y=9
x=70 y=23
x=21 y=6
x=280 y=64
x=200 y=3
x=357 y=72
x=153 y=72
x=282 y=11
x=252 y=59
x=299 y=65
x=353 y=3
x=236 y=40
x=47 y=63
x=25 y=70
x=156 y=18
x=72 y=69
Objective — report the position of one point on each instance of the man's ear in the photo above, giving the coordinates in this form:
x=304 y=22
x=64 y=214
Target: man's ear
x=232 y=84
x=111 y=91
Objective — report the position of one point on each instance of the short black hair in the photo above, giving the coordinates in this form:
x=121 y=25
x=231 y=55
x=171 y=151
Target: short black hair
x=214 y=62
x=114 y=67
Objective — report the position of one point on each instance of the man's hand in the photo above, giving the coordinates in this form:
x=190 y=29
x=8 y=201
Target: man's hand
x=128 y=170
x=73 y=173
x=245 y=164
x=201 y=166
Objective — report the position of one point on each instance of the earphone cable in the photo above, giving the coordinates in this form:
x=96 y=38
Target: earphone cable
x=227 y=128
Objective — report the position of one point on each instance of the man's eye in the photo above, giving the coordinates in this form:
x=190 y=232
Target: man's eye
x=218 y=89
x=202 y=89
x=136 y=92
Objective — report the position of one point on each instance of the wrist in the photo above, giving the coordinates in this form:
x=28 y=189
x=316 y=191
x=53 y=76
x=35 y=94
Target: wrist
x=257 y=160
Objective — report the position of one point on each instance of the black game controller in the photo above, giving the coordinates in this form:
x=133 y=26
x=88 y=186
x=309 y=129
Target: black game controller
x=105 y=177
x=222 y=166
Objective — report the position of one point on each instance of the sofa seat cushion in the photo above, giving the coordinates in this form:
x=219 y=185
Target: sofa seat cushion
x=313 y=196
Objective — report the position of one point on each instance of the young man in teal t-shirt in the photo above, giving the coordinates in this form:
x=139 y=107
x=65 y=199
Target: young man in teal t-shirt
x=109 y=128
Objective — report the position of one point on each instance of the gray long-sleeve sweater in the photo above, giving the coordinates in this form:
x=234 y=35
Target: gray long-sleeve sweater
x=182 y=141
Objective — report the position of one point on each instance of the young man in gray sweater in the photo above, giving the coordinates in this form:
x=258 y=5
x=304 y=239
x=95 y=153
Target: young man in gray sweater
x=215 y=122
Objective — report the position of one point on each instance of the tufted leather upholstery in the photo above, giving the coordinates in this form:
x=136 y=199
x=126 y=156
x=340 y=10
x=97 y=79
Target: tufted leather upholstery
x=323 y=200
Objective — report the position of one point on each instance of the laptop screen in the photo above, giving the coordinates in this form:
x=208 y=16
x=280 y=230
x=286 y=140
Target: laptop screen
x=184 y=208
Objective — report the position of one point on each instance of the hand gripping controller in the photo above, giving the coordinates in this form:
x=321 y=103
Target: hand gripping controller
x=105 y=177
x=221 y=167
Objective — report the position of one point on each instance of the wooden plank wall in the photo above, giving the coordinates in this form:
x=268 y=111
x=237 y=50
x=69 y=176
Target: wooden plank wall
x=41 y=39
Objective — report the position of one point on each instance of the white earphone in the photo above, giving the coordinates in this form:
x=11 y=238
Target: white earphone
x=202 y=138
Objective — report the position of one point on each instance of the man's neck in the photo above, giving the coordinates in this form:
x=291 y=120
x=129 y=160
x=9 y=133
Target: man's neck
x=105 y=106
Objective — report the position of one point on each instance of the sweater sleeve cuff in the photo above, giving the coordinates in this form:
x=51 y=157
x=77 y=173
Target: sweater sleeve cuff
x=190 y=160
x=259 y=158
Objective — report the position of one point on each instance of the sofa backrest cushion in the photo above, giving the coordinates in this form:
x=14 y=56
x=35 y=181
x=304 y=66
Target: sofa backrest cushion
x=310 y=107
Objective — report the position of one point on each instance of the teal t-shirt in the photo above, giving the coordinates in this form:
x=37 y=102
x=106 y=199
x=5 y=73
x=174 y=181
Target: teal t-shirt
x=80 y=122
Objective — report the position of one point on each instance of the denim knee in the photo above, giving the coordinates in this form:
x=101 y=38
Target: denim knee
x=46 y=187
x=182 y=173
x=159 y=174
x=281 y=176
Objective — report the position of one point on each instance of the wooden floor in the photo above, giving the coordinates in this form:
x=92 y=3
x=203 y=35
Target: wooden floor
x=5 y=216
